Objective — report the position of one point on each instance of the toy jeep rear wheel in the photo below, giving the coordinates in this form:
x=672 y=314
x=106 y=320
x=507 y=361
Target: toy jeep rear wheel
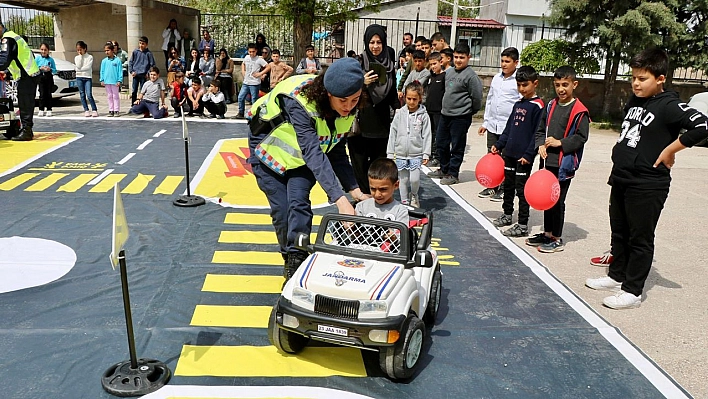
x=400 y=361
x=431 y=312
x=284 y=340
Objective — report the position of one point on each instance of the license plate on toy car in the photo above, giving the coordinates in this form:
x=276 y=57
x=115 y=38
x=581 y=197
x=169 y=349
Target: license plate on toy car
x=332 y=330
x=5 y=124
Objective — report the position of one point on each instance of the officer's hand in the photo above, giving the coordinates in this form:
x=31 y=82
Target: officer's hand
x=344 y=207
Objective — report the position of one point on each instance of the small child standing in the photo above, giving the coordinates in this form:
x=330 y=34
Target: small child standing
x=279 y=70
x=433 y=100
x=111 y=77
x=214 y=101
x=409 y=142
x=518 y=145
x=47 y=70
x=561 y=136
x=383 y=182
x=153 y=91
x=641 y=175
x=178 y=94
x=139 y=65
x=309 y=64
x=84 y=68
x=253 y=69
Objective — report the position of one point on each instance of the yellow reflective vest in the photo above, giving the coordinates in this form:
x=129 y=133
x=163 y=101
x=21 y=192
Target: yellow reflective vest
x=24 y=55
x=279 y=150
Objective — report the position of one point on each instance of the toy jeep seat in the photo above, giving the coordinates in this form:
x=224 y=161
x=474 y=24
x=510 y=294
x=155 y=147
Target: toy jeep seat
x=9 y=123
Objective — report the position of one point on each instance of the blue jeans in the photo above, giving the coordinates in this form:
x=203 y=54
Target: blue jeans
x=245 y=89
x=148 y=106
x=138 y=81
x=85 y=93
x=451 y=142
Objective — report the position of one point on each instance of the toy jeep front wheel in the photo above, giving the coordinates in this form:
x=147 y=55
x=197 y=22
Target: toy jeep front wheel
x=284 y=340
x=431 y=313
x=401 y=360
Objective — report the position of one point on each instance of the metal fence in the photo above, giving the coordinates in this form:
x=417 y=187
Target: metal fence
x=36 y=26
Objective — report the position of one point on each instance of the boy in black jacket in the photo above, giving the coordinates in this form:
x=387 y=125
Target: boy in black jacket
x=433 y=100
x=640 y=177
x=518 y=142
x=560 y=138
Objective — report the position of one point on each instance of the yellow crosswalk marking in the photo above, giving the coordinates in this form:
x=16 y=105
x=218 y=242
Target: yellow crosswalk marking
x=76 y=183
x=17 y=181
x=234 y=283
x=169 y=185
x=138 y=184
x=231 y=316
x=248 y=257
x=46 y=182
x=252 y=237
x=266 y=361
x=258 y=218
x=108 y=183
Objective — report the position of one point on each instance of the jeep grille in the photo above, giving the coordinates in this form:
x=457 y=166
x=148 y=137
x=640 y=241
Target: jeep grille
x=67 y=75
x=336 y=307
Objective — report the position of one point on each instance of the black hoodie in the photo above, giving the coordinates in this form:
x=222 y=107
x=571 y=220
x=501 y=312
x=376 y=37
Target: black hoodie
x=649 y=126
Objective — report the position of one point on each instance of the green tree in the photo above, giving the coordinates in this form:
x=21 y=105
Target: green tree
x=41 y=25
x=619 y=29
x=547 y=55
x=444 y=8
x=17 y=24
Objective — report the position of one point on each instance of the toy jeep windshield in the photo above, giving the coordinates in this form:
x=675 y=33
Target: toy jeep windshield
x=368 y=283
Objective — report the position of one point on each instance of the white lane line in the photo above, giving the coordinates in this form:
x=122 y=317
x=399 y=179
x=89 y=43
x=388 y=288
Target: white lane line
x=654 y=374
x=144 y=144
x=126 y=158
x=100 y=177
x=158 y=134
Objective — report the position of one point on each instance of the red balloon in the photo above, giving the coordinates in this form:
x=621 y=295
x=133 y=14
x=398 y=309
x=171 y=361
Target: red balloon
x=542 y=190
x=490 y=170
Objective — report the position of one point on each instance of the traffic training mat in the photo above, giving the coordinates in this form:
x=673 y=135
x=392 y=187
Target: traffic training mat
x=203 y=281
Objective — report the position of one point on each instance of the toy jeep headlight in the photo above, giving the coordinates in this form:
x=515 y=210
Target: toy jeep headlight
x=372 y=309
x=303 y=298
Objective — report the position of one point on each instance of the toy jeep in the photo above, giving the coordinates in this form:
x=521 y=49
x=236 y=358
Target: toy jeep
x=9 y=122
x=368 y=283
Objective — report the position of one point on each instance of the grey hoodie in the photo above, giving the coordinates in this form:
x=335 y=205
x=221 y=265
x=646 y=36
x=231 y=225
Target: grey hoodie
x=410 y=134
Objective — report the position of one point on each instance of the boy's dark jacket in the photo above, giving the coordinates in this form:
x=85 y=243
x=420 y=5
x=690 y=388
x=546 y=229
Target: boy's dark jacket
x=651 y=124
x=436 y=90
x=567 y=157
x=518 y=138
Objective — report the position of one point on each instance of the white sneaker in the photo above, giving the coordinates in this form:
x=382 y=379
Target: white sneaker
x=622 y=300
x=41 y=113
x=605 y=283
x=415 y=202
x=48 y=114
x=87 y=114
x=94 y=114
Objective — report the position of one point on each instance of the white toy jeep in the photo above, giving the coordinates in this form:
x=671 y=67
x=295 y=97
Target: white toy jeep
x=368 y=283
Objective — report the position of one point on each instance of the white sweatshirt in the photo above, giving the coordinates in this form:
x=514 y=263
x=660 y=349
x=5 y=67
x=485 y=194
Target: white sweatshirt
x=84 y=65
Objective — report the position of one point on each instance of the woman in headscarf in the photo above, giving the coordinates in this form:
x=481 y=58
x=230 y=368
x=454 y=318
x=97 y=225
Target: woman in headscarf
x=260 y=43
x=375 y=119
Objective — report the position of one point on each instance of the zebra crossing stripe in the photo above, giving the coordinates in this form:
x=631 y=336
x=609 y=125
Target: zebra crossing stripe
x=46 y=182
x=248 y=258
x=231 y=316
x=76 y=183
x=266 y=361
x=169 y=185
x=17 y=181
x=251 y=237
x=107 y=183
x=257 y=218
x=242 y=284
x=138 y=184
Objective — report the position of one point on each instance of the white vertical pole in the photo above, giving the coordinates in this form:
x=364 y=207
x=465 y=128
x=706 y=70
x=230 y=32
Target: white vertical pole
x=453 y=31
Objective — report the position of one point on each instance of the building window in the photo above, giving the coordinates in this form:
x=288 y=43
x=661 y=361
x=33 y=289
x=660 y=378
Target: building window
x=473 y=38
x=529 y=32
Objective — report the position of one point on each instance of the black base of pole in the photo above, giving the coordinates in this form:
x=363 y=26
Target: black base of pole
x=123 y=380
x=189 y=201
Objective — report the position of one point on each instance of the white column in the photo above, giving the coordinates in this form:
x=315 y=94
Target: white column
x=134 y=22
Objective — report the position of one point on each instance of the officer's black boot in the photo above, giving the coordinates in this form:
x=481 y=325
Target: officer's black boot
x=293 y=262
x=25 y=135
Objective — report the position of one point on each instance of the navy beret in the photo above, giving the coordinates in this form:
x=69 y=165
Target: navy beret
x=344 y=77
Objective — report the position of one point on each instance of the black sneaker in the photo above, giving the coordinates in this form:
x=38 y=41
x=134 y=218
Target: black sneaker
x=538 y=239
x=517 y=230
x=501 y=221
x=498 y=196
x=220 y=117
x=436 y=174
x=240 y=116
x=486 y=193
x=433 y=163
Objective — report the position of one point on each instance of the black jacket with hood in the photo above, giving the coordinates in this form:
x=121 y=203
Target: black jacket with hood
x=650 y=125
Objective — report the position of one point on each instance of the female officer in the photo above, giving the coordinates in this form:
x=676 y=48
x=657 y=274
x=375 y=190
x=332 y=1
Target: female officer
x=296 y=139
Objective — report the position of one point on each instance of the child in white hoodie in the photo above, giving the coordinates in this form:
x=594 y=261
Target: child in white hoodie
x=409 y=142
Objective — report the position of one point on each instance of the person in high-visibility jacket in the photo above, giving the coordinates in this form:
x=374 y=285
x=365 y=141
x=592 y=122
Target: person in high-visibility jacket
x=297 y=139
x=16 y=57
